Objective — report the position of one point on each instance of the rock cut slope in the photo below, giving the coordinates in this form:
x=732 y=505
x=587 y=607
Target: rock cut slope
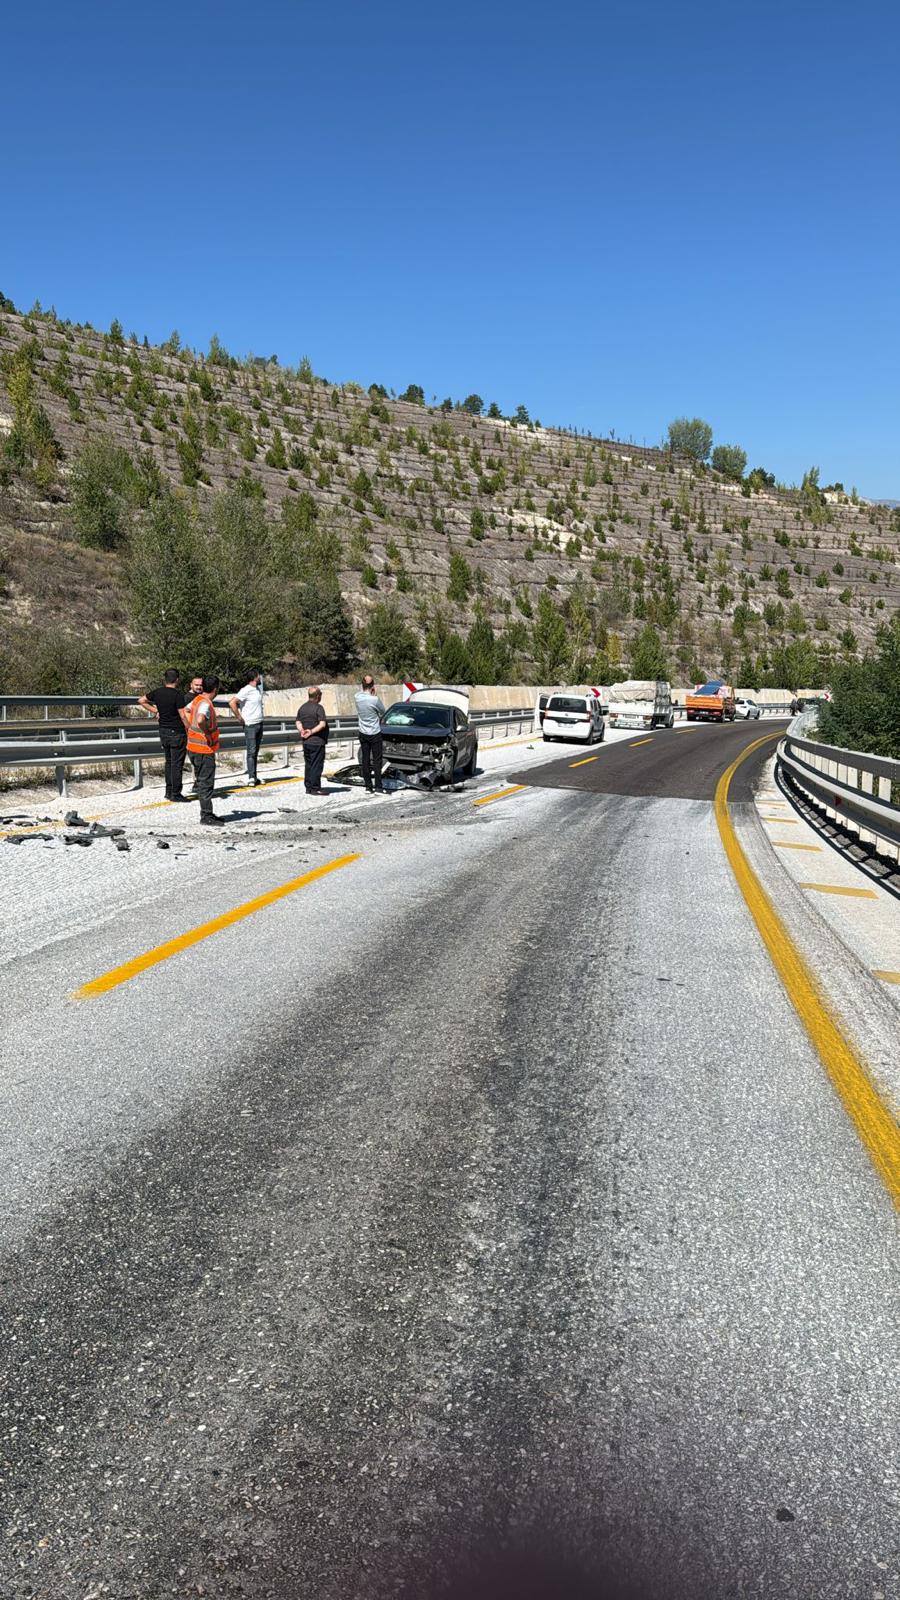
x=723 y=572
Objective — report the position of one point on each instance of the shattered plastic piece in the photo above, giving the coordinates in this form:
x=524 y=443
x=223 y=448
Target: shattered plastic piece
x=121 y=844
x=78 y=838
x=73 y=820
x=98 y=831
x=162 y=844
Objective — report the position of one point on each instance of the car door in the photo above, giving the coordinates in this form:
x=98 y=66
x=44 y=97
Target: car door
x=464 y=738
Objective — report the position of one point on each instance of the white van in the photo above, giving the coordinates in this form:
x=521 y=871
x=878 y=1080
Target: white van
x=573 y=716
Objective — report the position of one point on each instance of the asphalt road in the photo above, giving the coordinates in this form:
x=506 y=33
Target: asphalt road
x=680 y=763
x=483 y=1195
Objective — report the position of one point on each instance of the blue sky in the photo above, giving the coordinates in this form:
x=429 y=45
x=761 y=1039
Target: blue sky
x=616 y=215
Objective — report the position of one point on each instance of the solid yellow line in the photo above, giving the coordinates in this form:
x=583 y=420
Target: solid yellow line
x=783 y=822
x=634 y=744
x=871 y=1117
x=792 y=844
x=583 y=762
x=27 y=828
x=489 y=799
x=172 y=947
x=837 y=888
x=886 y=977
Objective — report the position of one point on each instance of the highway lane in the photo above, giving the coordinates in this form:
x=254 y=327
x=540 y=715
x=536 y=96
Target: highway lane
x=552 y=1223
x=680 y=763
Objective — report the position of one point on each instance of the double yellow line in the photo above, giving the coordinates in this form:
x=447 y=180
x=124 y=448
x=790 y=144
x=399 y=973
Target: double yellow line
x=870 y=1116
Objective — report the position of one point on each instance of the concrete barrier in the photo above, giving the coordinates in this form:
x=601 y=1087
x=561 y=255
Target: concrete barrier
x=337 y=698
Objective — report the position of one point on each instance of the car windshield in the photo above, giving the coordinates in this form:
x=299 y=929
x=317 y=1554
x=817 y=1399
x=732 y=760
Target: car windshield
x=411 y=715
x=561 y=702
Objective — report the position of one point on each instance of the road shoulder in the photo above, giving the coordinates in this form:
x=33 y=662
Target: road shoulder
x=838 y=936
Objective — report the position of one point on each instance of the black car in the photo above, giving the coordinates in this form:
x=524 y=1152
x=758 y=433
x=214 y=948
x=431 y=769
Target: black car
x=431 y=737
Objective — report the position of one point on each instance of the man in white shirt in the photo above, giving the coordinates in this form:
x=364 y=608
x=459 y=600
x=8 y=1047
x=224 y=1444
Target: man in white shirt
x=247 y=706
x=370 y=710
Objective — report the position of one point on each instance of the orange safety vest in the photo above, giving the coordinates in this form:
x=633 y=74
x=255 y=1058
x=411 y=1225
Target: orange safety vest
x=198 y=742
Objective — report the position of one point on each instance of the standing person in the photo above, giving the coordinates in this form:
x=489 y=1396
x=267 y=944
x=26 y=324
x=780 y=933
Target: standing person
x=370 y=710
x=312 y=725
x=195 y=688
x=165 y=704
x=247 y=706
x=203 y=742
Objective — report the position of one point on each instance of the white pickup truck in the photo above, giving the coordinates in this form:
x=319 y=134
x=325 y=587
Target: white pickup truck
x=641 y=703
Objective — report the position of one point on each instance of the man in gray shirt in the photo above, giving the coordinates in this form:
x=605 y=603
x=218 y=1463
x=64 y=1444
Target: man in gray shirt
x=370 y=710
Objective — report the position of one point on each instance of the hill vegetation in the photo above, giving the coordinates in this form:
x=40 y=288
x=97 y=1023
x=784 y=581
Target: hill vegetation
x=160 y=505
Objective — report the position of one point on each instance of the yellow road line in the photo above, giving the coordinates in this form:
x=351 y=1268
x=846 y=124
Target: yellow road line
x=583 y=762
x=172 y=947
x=633 y=745
x=489 y=799
x=838 y=888
x=29 y=827
x=793 y=844
x=886 y=977
x=870 y=1116
x=783 y=822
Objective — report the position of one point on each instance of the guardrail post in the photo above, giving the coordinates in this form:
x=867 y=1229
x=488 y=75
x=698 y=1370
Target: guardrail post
x=867 y=786
x=138 y=766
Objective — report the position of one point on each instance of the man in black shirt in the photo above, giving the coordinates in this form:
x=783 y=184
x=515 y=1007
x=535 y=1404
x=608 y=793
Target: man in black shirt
x=165 y=704
x=312 y=725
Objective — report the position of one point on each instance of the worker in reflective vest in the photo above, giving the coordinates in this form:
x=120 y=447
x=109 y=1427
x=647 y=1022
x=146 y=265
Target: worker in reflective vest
x=202 y=743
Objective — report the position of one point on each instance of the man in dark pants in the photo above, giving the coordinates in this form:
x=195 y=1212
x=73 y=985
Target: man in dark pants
x=370 y=710
x=203 y=743
x=247 y=706
x=312 y=726
x=165 y=704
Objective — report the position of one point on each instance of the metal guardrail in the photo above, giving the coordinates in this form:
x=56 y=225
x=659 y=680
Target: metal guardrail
x=137 y=742
x=85 y=742
x=853 y=789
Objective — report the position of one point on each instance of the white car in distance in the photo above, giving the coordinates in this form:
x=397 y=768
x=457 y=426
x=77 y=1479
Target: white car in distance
x=573 y=716
x=746 y=708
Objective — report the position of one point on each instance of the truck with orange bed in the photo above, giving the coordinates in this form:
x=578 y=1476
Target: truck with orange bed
x=711 y=702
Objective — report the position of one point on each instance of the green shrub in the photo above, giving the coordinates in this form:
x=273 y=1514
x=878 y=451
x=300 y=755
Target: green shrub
x=730 y=460
x=104 y=492
x=691 y=436
x=459 y=585
x=37 y=660
x=864 y=713
x=391 y=641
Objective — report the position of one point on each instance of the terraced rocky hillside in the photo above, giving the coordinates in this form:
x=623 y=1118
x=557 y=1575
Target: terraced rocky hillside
x=726 y=574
